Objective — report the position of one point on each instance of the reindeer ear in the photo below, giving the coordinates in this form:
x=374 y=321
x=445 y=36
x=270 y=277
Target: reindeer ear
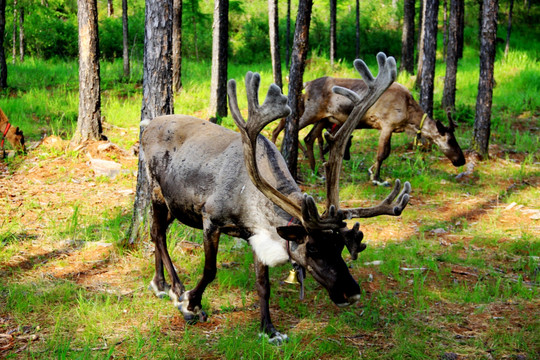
x=292 y=233
x=18 y=131
x=440 y=127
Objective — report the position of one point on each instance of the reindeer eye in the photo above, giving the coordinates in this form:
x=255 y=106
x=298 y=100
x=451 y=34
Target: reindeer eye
x=311 y=249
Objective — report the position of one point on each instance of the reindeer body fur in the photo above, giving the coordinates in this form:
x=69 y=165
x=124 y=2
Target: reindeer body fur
x=395 y=111
x=14 y=135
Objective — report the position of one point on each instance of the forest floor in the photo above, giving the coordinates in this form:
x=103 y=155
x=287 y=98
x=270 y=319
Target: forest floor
x=48 y=195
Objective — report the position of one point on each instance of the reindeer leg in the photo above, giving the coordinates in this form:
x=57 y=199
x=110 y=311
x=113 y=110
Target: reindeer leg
x=161 y=220
x=383 y=152
x=309 y=140
x=263 y=290
x=191 y=300
x=277 y=130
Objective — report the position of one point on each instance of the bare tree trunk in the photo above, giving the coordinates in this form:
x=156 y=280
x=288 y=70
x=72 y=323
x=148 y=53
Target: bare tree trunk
x=288 y=36
x=220 y=45
x=3 y=65
x=461 y=27
x=110 y=8
x=21 y=34
x=125 y=38
x=89 y=120
x=449 y=93
x=333 y=9
x=14 y=36
x=445 y=27
x=357 y=53
x=421 y=25
x=407 y=38
x=273 y=27
x=289 y=147
x=509 y=28
x=482 y=121
x=157 y=96
x=177 y=45
x=430 y=51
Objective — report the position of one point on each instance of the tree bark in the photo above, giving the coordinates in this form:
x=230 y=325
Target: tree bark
x=407 y=38
x=482 y=121
x=289 y=147
x=273 y=29
x=288 y=36
x=14 y=35
x=220 y=44
x=157 y=96
x=449 y=93
x=177 y=45
x=110 y=8
x=357 y=53
x=89 y=120
x=445 y=27
x=509 y=28
x=3 y=65
x=461 y=27
x=333 y=9
x=421 y=25
x=21 y=34
x=430 y=52
x=125 y=39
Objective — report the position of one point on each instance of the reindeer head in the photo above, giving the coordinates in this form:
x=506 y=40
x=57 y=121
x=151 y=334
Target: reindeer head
x=316 y=241
x=446 y=141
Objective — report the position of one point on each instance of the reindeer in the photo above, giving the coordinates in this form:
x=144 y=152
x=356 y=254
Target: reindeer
x=215 y=179
x=395 y=111
x=13 y=134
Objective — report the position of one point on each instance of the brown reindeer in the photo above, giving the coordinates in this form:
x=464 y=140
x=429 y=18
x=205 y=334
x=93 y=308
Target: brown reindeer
x=395 y=111
x=13 y=134
x=221 y=181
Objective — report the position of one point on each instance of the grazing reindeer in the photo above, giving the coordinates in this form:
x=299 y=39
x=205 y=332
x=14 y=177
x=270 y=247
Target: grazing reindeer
x=395 y=111
x=214 y=179
x=13 y=134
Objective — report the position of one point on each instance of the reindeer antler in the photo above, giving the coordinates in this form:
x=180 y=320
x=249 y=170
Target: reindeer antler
x=362 y=102
x=337 y=142
x=274 y=107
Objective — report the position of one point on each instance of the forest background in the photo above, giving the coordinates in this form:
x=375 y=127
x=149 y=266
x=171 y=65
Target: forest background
x=455 y=277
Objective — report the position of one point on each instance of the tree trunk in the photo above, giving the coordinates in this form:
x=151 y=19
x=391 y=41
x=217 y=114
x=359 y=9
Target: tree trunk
x=482 y=121
x=445 y=27
x=157 y=95
x=461 y=27
x=177 y=45
x=357 y=53
x=14 y=36
x=289 y=147
x=333 y=9
x=421 y=25
x=89 y=120
x=288 y=36
x=273 y=29
x=194 y=5
x=21 y=34
x=449 y=93
x=407 y=38
x=509 y=28
x=220 y=44
x=430 y=52
x=125 y=38
x=110 y=8
x=3 y=65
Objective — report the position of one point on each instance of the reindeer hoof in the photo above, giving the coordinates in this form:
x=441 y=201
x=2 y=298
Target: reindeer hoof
x=159 y=293
x=380 y=183
x=276 y=338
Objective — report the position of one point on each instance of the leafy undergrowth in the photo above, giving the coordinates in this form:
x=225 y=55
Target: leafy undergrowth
x=455 y=277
